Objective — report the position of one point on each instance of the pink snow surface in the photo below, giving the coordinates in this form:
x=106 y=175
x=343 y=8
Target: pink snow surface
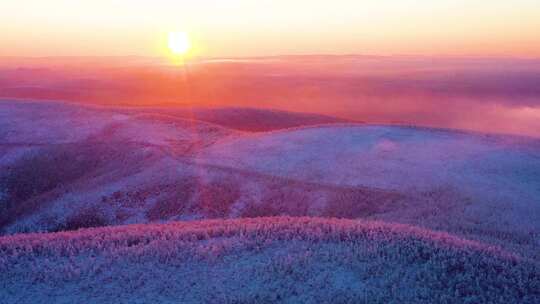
x=270 y=260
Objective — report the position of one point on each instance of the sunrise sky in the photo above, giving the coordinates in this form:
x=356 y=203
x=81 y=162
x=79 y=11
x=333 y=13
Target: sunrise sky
x=270 y=27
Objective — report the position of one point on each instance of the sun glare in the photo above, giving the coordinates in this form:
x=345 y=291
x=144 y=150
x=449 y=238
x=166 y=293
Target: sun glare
x=179 y=43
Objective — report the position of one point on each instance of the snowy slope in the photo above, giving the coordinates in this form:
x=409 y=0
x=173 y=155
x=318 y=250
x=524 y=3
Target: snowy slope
x=458 y=215
x=474 y=183
x=65 y=167
x=265 y=260
x=45 y=123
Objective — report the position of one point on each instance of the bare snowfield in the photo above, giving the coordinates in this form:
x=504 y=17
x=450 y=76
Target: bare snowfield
x=435 y=214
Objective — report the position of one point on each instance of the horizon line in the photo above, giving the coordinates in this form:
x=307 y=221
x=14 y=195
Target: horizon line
x=442 y=56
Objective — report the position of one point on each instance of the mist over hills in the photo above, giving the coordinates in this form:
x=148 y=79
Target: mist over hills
x=279 y=204
x=481 y=94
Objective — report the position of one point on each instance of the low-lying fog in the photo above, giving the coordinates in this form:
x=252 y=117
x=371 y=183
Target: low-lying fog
x=482 y=94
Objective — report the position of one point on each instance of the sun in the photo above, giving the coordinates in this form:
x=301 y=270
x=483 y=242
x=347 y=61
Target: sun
x=179 y=43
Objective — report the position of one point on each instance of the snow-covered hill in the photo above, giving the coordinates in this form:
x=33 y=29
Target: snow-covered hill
x=65 y=167
x=451 y=180
x=434 y=216
x=265 y=260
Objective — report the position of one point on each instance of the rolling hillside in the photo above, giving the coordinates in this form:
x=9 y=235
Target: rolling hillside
x=70 y=167
x=323 y=212
x=264 y=260
x=67 y=167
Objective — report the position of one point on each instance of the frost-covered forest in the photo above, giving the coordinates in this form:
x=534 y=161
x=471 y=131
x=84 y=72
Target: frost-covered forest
x=145 y=205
